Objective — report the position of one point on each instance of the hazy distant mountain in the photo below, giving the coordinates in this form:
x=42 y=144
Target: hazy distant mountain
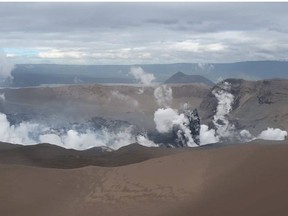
x=37 y=74
x=184 y=78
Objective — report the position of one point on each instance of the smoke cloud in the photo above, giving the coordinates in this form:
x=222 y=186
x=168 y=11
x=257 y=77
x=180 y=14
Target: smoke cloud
x=163 y=96
x=141 y=76
x=6 y=67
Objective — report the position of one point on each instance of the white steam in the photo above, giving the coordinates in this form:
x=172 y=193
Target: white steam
x=2 y=98
x=272 y=134
x=27 y=133
x=143 y=140
x=207 y=136
x=164 y=119
x=167 y=118
x=141 y=76
x=16 y=134
x=125 y=98
x=204 y=67
x=6 y=67
x=225 y=129
x=163 y=96
x=246 y=136
x=225 y=100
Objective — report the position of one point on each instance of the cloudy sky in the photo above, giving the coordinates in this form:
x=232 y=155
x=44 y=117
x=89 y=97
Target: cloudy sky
x=137 y=33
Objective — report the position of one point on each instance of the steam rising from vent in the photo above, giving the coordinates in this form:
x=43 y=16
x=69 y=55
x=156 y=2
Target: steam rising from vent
x=272 y=134
x=182 y=125
x=225 y=100
x=226 y=130
x=168 y=120
x=125 y=98
x=207 y=136
x=164 y=119
x=163 y=96
x=141 y=76
x=28 y=133
x=186 y=124
x=2 y=98
x=6 y=67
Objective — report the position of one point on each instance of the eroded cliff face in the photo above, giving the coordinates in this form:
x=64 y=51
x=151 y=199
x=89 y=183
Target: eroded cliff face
x=256 y=104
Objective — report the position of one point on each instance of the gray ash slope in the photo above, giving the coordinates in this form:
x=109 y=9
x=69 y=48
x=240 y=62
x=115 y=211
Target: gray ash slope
x=256 y=106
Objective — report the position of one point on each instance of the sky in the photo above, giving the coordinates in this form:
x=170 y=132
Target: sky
x=143 y=33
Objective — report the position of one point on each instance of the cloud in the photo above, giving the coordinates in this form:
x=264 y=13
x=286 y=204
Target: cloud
x=191 y=46
x=145 y=32
x=141 y=76
x=54 y=53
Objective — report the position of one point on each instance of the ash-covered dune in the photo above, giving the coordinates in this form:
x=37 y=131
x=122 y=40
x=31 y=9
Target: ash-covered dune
x=247 y=179
x=51 y=156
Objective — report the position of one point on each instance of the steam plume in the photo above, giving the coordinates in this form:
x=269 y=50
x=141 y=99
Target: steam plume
x=163 y=96
x=141 y=76
x=125 y=98
x=2 y=98
x=225 y=100
x=272 y=134
x=6 y=67
x=28 y=133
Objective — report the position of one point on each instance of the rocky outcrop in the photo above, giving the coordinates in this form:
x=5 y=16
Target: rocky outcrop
x=192 y=126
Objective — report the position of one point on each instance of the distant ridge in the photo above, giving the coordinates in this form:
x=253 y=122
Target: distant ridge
x=180 y=77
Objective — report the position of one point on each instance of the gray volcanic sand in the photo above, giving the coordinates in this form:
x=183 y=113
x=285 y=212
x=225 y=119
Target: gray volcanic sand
x=247 y=179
